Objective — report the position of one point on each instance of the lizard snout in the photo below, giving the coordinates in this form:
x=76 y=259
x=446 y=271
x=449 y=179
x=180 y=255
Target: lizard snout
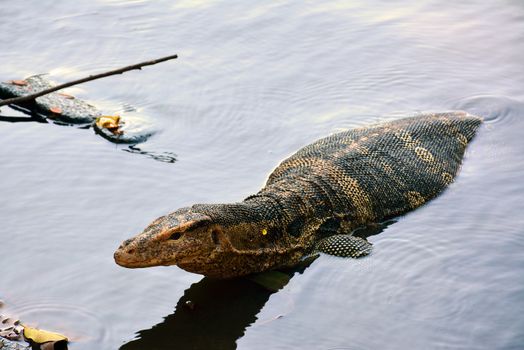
x=126 y=255
x=123 y=256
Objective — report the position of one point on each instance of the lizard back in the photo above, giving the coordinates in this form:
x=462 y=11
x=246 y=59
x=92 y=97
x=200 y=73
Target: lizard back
x=376 y=172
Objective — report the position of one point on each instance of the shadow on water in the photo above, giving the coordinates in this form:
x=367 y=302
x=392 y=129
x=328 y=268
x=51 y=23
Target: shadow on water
x=32 y=117
x=212 y=314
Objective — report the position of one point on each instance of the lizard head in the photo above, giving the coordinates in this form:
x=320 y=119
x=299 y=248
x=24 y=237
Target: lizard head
x=215 y=240
x=174 y=239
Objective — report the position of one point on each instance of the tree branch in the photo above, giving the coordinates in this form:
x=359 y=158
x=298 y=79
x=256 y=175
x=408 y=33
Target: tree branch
x=17 y=100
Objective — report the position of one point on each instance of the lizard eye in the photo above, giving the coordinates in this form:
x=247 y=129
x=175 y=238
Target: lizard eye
x=175 y=236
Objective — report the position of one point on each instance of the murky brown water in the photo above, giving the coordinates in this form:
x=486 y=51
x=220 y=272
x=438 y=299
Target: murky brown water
x=255 y=82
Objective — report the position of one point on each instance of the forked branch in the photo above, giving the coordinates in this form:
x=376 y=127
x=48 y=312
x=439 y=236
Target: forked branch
x=17 y=100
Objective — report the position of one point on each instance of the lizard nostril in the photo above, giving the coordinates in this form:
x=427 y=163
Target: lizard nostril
x=130 y=251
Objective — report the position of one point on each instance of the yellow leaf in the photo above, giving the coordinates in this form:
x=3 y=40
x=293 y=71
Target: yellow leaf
x=40 y=336
x=110 y=122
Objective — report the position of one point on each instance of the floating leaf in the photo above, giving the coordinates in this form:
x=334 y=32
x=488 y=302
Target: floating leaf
x=18 y=82
x=55 y=110
x=40 y=336
x=109 y=122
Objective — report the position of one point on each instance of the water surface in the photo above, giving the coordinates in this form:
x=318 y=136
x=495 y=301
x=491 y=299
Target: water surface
x=255 y=81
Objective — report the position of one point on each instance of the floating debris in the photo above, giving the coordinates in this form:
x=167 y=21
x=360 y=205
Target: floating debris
x=10 y=328
x=47 y=340
x=109 y=122
x=131 y=130
x=63 y=108
x=12 y=331
x=54 y=105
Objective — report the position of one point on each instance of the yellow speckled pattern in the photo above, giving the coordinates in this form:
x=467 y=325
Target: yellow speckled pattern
x=345 y=246
x=378 y=171
x=415 y=199
x=447 y=178
x=424 y=154
x=462 y=139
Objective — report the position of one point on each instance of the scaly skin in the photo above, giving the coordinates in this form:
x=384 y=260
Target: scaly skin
x=329 y=187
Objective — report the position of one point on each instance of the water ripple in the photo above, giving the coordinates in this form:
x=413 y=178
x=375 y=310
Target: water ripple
x=83 y=328
x=494 y=109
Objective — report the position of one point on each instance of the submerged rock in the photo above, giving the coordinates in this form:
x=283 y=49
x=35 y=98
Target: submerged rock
x=55 y=105
x=12 y=345
x=63 y=108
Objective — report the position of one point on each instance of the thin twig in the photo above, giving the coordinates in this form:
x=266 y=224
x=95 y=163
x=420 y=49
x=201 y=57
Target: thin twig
x=17 y=100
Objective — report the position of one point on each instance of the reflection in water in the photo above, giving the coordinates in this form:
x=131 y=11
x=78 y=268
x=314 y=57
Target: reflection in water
x=15 y=119
x=372 y=229
x=166 y=157
x=212 y=314
x=33 y=116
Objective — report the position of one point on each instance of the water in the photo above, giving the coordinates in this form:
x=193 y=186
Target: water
x=255 y=82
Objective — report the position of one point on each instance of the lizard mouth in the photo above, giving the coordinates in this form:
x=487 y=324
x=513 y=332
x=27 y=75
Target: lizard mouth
x=128 y=260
